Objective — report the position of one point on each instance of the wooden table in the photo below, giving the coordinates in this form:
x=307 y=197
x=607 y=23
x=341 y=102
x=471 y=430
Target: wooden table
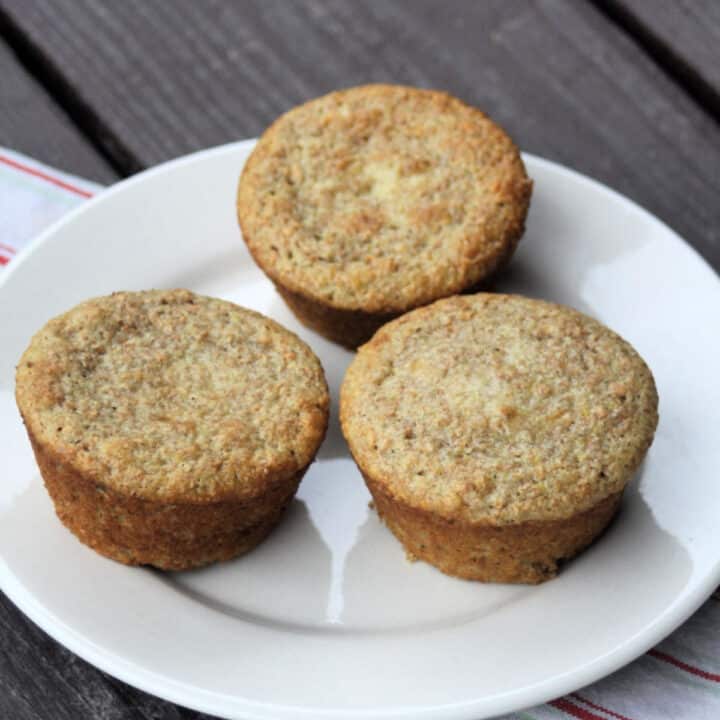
x=627 y=91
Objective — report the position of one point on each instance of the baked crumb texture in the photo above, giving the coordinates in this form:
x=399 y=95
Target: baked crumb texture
x=497 y=433
x=171 y=429
x=368 y=202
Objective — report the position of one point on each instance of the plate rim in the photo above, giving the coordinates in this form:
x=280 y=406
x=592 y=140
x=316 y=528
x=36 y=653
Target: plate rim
x=221 y=704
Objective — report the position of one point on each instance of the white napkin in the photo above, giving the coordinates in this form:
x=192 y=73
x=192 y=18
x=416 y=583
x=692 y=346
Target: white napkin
x=677 y=680
x=32 y=196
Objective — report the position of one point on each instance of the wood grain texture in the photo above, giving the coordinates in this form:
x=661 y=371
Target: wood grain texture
x=565 y=81
x=31 y=122
x=684 y=35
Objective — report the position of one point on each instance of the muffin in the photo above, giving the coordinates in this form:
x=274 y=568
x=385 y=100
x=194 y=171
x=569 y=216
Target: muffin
x=496 y=433
x=170 y=429
x=368 y=202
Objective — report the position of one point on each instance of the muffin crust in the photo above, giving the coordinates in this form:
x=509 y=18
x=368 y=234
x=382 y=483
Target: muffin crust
x=170 y=428
x=379 y=199
x=484 y=412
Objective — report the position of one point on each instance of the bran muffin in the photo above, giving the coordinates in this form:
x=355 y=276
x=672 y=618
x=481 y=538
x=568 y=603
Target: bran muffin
x=170 y=429
x=365 y=203
x=496 y=433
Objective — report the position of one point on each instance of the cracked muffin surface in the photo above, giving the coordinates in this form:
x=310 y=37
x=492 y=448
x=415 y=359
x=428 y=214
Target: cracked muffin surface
x=170 y=429
x=168 y=394
x=497 y=433
x=499 y=409
x=381 y=198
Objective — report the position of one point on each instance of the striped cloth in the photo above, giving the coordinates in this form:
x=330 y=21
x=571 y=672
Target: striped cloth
x=32 y=196
x=677 y=680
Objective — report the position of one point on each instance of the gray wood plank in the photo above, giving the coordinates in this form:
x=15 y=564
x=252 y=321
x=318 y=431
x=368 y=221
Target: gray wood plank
x=683 y=34
x=32 y=123
x=168 y=78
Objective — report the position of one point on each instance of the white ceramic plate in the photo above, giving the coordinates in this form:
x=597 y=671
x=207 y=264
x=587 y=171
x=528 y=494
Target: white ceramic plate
x=327 y=619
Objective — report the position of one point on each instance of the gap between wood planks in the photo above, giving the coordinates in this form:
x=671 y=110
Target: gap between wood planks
x=51 y=77
x=672 y=64
x=125 y=162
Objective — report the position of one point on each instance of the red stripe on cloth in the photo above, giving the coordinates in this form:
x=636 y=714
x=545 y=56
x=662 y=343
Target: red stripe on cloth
x=714 y=677
x=44 y=176
x=4 y=260
x=7 y=248
x=564 y=705
x=600 y=707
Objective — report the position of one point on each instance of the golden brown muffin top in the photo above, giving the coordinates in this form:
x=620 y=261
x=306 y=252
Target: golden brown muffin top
x=498 y=409
x=382 y=198
x=167 y=395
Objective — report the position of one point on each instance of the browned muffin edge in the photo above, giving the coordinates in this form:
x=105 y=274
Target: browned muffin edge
x=528 y=552
x=166 y=535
